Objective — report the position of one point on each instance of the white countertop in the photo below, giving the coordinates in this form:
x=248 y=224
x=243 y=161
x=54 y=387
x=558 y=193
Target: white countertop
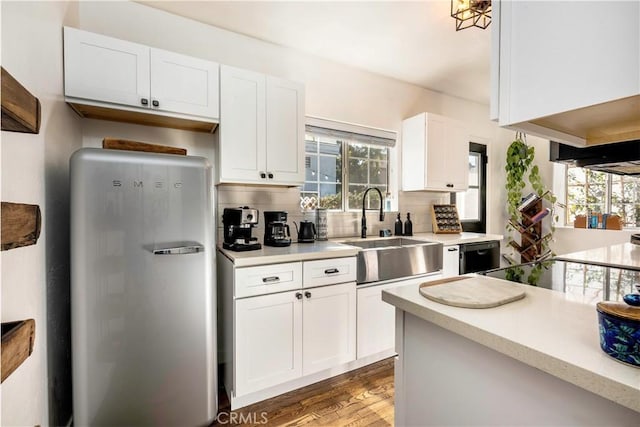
x=294 y=252
x=544 y=330
x=335 y=248
x=623 y=255
x=445 y=239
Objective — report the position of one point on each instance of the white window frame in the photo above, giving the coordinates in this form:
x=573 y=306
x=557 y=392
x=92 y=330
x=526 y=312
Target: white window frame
x=361 y=130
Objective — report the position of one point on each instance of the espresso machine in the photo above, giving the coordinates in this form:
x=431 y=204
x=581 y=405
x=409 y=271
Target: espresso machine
x=276 y=229
x=238 y=223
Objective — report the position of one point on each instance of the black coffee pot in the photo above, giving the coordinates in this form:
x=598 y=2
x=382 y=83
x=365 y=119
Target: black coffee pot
x=306 y=232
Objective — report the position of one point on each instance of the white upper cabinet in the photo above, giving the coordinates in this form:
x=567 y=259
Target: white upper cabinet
x=567 y=71
x=285 y=130
x=184 y=84
x=435 y=154
x=105 y=69
x=262 y=129
x=103 y=74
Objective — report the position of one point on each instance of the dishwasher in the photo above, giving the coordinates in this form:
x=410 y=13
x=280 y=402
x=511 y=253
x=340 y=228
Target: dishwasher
x=479 y=256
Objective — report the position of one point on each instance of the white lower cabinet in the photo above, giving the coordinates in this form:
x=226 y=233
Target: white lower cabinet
x=268 y=341
x=328 y=327
x=450 y=260
x=376 y=319
x=286 y=335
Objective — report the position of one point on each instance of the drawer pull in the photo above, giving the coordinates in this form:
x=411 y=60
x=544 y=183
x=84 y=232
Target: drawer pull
x=271 y=279
x=298 y=295
x=331 y=271
x=452 y=249
x=307 y=294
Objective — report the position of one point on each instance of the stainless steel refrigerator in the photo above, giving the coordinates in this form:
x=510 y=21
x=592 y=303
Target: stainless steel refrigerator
x=142 y=289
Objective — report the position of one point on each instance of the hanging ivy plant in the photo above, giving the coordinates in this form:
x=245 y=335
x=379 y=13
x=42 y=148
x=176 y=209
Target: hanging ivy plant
x=519 y=165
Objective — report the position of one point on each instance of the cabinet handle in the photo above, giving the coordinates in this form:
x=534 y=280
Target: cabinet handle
x=450 y=185
x=298 y=295
x=155 y=103
x=144 y=101
x=307 y=294
x=452 y=249
x=263 y=175
x=271 y=279
x=331 y=271
x=270 y=175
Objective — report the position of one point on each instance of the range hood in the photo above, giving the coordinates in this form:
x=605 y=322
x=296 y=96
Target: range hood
x=621 y=158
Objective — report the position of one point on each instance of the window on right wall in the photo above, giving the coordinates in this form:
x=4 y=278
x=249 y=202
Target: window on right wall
x=591 y=191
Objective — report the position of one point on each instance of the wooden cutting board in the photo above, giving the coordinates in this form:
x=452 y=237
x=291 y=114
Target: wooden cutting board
x=471 y=291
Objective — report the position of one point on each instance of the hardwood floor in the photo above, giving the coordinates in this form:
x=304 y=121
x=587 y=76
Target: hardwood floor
x=363 y=397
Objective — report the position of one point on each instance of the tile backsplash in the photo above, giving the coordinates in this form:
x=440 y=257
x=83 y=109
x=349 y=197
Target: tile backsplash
x=340 y=224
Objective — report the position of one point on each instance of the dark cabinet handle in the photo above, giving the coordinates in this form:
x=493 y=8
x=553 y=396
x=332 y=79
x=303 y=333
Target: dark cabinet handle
x=450 y=185
x=270 y=279
x=144 y=101
x=263 y=175
x=298 y=295
x=452 y=249
x=307 y=294
x=331 y=271
x=155 y=103
x=270 y=175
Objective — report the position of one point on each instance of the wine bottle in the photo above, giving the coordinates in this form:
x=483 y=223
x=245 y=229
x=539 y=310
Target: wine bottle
x=398 y=226
x=408 y=226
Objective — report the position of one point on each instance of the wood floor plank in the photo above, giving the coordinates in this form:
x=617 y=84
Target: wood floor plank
x=363 y=397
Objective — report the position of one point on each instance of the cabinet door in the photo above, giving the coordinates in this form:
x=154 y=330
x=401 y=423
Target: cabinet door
x=450 y=260
x=565 y=67
x=447 y=154
x=438 y=176
x=376 y=321
x=242 y=125
x=457 y=156
x=183 y=84
x=329 y=327
x=105 y=69
x=285 y=131
x=268 y=341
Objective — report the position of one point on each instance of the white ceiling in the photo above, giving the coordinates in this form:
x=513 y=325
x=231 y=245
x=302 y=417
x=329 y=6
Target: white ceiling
x=414 y=42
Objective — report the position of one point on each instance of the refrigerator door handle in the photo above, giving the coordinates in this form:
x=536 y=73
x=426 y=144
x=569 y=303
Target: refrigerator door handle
x=181 y=248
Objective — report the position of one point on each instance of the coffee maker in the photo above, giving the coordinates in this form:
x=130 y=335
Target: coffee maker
x=276 y=230
x=238 y=223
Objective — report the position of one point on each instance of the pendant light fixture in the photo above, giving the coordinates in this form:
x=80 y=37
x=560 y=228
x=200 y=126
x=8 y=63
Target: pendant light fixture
x=471 y=13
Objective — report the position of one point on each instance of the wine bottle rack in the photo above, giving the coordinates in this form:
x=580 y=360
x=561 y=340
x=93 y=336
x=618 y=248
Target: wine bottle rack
x=530 y=229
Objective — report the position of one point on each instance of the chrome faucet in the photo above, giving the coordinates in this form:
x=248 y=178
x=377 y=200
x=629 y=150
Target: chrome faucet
x=363 y=224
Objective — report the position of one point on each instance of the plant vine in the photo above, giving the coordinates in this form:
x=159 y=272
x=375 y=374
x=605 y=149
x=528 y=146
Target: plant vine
x=519 y=164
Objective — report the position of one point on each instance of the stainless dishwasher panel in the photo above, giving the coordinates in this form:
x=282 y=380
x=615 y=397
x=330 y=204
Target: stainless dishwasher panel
x=479 y=256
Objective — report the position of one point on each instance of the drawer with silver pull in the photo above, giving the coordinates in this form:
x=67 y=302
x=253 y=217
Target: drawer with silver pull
x=329 y=271
x=267 y=279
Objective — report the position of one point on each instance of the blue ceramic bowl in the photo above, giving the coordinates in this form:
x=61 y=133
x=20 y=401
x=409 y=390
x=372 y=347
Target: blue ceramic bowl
x=620 y=338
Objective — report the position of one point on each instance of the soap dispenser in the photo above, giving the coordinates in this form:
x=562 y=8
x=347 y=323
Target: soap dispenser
x=408 y=226
x=398 y=226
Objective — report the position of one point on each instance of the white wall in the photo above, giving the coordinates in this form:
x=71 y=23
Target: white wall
x=35 y=171
x=333 y=91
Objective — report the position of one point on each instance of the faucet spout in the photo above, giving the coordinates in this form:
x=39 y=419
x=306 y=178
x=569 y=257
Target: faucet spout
x=363 y=223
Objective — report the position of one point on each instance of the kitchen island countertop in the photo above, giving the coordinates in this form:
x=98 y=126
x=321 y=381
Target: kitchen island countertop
x=623 y=255
x=544 y=330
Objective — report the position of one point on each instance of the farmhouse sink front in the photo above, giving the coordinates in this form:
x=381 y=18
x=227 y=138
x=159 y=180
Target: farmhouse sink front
x=388 y=259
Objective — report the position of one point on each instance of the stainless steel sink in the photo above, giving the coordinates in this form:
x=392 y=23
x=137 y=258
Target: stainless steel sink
x=395 y=258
